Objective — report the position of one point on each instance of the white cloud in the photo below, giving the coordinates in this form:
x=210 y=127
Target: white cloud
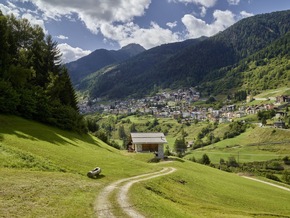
x=203 y=11
x=132 y=33
x=114 y=19
x=93 y=12
x=197 y=27
x=245 y=14
x=205 y=3
x=35 y=21
x=70 y=53
x=233 y=2
x=62 y=37
x=10 y=9
x=171 y=24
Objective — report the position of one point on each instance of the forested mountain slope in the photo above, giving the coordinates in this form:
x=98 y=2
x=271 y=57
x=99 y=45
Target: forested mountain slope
x=139 y=67
x=98 y=59
x=190 y=65
x=142 y=62
x=267 y=69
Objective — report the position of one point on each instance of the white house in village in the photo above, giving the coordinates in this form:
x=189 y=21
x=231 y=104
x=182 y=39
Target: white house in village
x=148 y=142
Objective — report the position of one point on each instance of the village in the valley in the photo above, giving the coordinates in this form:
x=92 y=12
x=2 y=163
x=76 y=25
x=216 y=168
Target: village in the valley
x=178 y=105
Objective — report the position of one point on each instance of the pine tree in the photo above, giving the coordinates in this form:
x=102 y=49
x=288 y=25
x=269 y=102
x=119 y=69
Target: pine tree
x=122 y=133
x=33 y=82
x=180 y=145
x=3 y=44
x=52 y=57
x=67 y=96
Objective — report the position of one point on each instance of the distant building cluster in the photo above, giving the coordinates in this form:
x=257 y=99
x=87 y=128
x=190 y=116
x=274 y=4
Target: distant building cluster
x=178 y=105
x=161 y=104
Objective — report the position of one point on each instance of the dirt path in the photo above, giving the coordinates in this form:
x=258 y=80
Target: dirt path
x=268 y=183
x=103 y=207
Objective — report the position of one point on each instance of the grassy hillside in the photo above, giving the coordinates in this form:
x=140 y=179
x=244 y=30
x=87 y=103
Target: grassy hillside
x=43 y=174
x=269 y=141
x=199 y=191
x=256 y=144
x=40 y=165
x=274 y=92
x=169 y=126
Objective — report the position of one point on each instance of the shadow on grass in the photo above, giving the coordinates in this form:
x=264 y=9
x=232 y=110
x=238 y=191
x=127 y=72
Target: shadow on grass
x=32 y=130
x=157 y=160
x=174 y=159
x=98 y=177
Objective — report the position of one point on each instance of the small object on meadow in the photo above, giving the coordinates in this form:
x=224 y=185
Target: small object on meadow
x=94 y=173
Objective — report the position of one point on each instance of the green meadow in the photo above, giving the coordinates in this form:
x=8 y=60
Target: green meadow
x=274 y=92
x=43 y=174
x=199 y=191
x=256 y=144
x=44 y=170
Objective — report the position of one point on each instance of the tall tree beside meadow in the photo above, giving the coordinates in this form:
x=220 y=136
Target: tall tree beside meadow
x=33 y=82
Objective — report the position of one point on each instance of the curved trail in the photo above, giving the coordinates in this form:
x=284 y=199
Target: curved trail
x=103 y=207
x=123 y=199
x=268 y=183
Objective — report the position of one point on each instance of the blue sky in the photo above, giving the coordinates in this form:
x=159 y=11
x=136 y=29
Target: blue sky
x=82 y=26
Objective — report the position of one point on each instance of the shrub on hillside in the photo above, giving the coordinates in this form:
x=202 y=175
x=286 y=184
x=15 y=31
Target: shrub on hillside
x=274 y=165
x=286 y=176
x=236 y=128
x=114 y=144
x=180 y=145
x=154 y=160
x=167 y=151
x=92 y=124
x=102 y=135
x=232 y=162
x=204 y=160
x=192 y=159
x=198 y=144
x=286 y=160
x=272 y=177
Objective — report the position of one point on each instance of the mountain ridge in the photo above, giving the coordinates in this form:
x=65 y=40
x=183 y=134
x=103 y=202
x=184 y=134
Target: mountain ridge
x=189 y=63
x=100 y=58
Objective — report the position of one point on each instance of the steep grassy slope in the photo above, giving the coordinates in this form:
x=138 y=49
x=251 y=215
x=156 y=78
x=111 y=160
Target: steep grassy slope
x=199 y=191
x=43 y=170
x=43 y=174
x=33 y=145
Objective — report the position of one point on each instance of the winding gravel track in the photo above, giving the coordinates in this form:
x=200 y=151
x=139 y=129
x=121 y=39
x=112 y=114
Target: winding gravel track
x=268 y=183
x=103 y=207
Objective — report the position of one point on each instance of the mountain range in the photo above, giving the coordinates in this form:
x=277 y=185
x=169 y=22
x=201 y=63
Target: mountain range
x=205 y=63
x=100 y=58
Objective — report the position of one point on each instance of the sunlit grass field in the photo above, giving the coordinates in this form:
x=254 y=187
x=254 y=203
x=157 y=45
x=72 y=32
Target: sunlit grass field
x=199 y=191
x=43 y=170
x=256 y=144
x=43 y=174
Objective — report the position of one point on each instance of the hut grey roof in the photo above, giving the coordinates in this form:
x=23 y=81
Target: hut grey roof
x=148 y=138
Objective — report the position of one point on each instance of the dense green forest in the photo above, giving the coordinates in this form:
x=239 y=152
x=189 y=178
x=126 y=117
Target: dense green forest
x=267 y=69
x=33 y=82
x=205 y=62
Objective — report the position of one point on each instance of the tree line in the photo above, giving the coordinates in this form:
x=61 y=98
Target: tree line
x=33 y=82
